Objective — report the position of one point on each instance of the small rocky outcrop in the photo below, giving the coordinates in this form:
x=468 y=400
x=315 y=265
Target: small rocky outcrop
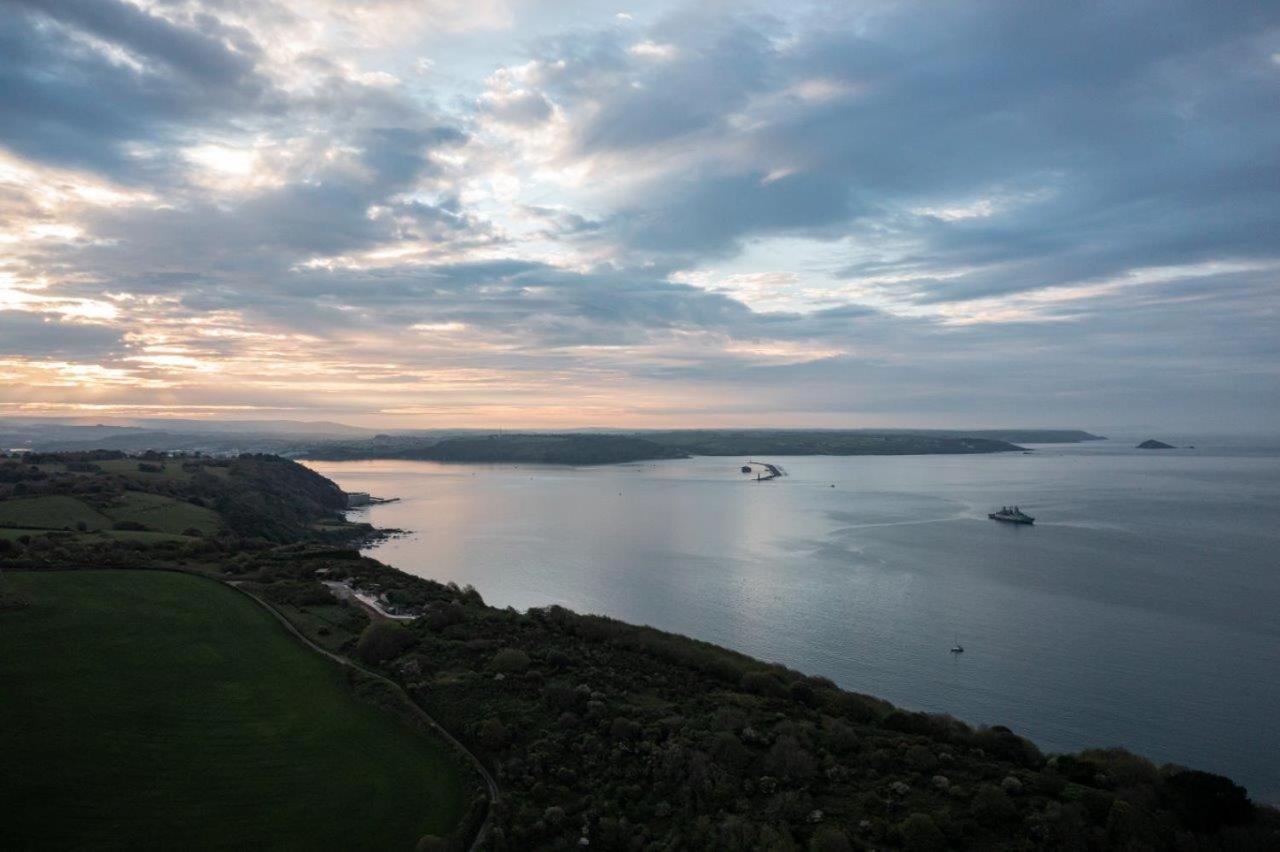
x=1153 y=444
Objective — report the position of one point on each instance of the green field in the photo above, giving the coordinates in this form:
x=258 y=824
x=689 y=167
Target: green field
x=163 y=514
x=51 y=512
x=157 y=512
x=159 y=710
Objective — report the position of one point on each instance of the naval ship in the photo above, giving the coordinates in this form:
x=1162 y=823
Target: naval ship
x=1012 y=514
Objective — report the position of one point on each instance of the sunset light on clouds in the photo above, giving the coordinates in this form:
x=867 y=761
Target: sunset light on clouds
x=555 y=214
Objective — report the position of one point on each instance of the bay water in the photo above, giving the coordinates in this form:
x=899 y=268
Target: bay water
x=1141 y=610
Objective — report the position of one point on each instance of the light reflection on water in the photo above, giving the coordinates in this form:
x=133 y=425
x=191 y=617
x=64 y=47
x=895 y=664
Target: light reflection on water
x=1142 y=610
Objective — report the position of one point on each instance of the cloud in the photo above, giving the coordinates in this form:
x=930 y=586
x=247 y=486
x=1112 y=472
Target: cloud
x=34 y=335
x=834 y=214
x=1090 y=140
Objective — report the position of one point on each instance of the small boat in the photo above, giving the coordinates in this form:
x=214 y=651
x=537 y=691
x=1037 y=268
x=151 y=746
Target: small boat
x=957 y=649
x=1012 y=515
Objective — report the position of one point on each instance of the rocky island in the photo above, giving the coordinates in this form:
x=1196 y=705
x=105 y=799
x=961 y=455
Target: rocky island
x=1153 y=444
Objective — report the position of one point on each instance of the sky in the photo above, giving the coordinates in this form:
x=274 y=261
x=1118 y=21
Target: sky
x=506 y=213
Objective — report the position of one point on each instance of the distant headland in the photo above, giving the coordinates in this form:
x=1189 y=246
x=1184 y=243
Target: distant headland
x=612 y=448
x=337 y=442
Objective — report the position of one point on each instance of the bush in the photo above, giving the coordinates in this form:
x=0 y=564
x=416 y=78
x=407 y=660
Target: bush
x=509 y=660
x=1207 y=802
x=763 y=683
x=493 y=734
x=921 y=834
x=991 y=805
x=624 y=729
x=789 y=759
x=129 y=525
x=829 y=838
x=921 y=759
x=382 y=641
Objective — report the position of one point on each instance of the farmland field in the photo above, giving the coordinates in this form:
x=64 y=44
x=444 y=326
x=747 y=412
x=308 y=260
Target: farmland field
x=160 y=710
x=50 y=512
x=163 y=514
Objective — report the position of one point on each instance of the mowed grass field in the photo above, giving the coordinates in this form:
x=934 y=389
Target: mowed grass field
x=163 y=711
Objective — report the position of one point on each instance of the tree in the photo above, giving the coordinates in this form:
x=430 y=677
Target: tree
x=921 y=834
x=382 y=641
x=992 y=806
x=829 y=838
x=1207 y=802
x=509 y=660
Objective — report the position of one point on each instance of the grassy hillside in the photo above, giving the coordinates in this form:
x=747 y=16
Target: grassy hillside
x=159 y=710
x=162 y=514
x=52 y=512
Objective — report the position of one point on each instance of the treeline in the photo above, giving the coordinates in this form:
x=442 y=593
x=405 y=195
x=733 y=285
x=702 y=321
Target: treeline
x=504 y=448
x=260 y=499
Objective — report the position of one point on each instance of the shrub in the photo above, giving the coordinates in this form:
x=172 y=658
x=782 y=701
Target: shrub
x=382 y=641
x=730 y=753
x=129 y=525
x=624 y=729
x=789 y=759
x=920 y=759
x=1207 y=802
x=839 y=736
x=1124 y=768
x=1129 y=828
x=493 y=734
x=991 y=805
x=999 y=741
x=509 y=660
x=921 y=834
x=829 y=838
x=763 y=683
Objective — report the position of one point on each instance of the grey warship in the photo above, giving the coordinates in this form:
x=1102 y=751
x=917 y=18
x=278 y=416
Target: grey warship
x=1011 y=515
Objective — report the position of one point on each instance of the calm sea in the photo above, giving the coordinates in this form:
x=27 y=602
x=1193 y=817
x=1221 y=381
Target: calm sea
x=1141 y=610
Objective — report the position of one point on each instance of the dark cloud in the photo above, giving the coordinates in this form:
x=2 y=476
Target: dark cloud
x=1102 y=137
x=201 y=52
x=35 y=335
x=63 y=100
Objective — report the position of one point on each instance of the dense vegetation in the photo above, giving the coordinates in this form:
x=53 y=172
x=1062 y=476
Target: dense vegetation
x=164 y=711
x=232 y=500
x=533 y=449
x=638 y=739
x=751 y=442
x=609 y=449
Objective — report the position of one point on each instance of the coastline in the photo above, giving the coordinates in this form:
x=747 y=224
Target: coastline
x=611 y=583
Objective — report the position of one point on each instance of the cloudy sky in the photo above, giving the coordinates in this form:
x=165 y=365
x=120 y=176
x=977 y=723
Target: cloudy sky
x=562 y=213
